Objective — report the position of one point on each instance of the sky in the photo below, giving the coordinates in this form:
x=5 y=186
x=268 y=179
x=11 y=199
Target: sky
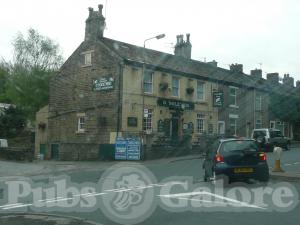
x=262 y=34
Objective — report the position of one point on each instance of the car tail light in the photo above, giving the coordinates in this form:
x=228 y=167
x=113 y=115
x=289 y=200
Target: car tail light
x=262 y=156
x=219 y=158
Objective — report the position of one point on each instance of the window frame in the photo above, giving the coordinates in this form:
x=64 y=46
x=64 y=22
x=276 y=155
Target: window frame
x=200 y=123
x=80 y=124
x=260 y=123
x=148 y=120
x=203 y=91
x=148 y=83
x=178 y=88
x=258 y=107
x=233 y=96
x=235 y=124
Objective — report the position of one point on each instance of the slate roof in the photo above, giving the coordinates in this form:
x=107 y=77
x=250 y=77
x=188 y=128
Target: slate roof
x=187 y=66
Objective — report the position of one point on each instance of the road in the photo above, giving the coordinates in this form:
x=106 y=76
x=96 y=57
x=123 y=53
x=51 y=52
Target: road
x=183 y=203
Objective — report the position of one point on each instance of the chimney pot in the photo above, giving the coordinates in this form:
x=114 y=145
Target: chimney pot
x=188 y=38
x=100 y=7
x=236 y=67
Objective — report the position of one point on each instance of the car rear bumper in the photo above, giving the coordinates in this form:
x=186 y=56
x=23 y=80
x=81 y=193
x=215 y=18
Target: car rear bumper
x=225 y=169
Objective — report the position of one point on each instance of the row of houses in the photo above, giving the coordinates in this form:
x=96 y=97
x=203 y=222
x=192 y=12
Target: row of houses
x=109 y=88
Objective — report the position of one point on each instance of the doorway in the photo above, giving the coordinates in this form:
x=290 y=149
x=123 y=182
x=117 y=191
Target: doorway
x=54 y=151
x=174 y=128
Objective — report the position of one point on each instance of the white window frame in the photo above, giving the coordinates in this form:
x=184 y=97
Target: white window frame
x=223 y=124
x=274 y=124
x=200 y=123
x=81 y=124
x=203 y=91
x=235 y=124
x=235 y=96
x=88 y=59
x=151 y=73
x=148 y=120
x=173 y=87
x=258 y=107
x=258 y=123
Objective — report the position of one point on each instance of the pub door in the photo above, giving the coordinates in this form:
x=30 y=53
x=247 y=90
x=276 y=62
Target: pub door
x=174 y=128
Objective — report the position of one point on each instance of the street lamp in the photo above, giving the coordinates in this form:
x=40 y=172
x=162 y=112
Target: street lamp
x=160 y=36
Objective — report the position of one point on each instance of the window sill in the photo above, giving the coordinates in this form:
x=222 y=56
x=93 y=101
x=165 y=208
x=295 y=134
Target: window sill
x=234 y=106
x=201 y=101
x=87 y=65
x=80 y=132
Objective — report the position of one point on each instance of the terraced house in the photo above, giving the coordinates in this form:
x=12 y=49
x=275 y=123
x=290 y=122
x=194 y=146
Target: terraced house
x=109 y=88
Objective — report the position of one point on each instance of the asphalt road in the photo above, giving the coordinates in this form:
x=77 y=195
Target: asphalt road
x=184 y=203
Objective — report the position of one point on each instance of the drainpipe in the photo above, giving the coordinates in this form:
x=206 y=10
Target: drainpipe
x=121 y=66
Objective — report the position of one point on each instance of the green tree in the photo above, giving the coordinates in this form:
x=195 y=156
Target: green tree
x=36 y=59
x=12 y=122
x=285 y=106
x=3 y=81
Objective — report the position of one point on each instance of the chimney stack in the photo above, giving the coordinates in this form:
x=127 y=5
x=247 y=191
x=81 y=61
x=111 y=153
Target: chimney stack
x=236 y=67
x=273 y=78
x=288 y=81
x=257 y=73
x=213 y=63
x=94 y=24
x=183 y=48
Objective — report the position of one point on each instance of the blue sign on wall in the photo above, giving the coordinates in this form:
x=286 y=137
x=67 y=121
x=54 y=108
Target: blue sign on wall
x=128 y=149
x=120 y=151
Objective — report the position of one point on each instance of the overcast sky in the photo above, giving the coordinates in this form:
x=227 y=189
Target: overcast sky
x=257 y=33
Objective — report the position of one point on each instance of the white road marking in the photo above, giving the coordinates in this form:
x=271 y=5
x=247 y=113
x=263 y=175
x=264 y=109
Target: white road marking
x=17 y=206
x=86 y=195
x=211 y=194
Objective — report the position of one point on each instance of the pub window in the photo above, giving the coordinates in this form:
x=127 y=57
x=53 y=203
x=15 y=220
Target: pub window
x=200 y=91
x=257 y=102
x=232 y=96
x=148 y=82
x=200 y=123
x=175 y=86
x=87 y=58
x=147 y=123
x=81 y=124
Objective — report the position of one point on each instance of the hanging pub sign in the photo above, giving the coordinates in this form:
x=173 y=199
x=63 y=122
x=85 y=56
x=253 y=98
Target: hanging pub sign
x=175 y=104
x=218 y=99
x=103 y=84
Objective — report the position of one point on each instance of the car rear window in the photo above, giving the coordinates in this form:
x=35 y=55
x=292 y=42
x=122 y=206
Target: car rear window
x=238 y=145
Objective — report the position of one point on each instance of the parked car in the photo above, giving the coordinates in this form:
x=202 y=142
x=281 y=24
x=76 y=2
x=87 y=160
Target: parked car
x=235 y=159
x=268 y=138
x=3 y=143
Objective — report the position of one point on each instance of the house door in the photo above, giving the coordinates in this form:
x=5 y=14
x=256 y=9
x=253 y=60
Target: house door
x=54 y=151
x=43 y=149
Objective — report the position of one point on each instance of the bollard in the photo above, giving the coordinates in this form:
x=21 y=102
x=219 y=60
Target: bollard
x=277 y=153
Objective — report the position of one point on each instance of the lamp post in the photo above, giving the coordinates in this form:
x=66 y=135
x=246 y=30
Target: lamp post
x=160 y=36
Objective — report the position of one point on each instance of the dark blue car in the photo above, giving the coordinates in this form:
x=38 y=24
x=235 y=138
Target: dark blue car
x=235 y=159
